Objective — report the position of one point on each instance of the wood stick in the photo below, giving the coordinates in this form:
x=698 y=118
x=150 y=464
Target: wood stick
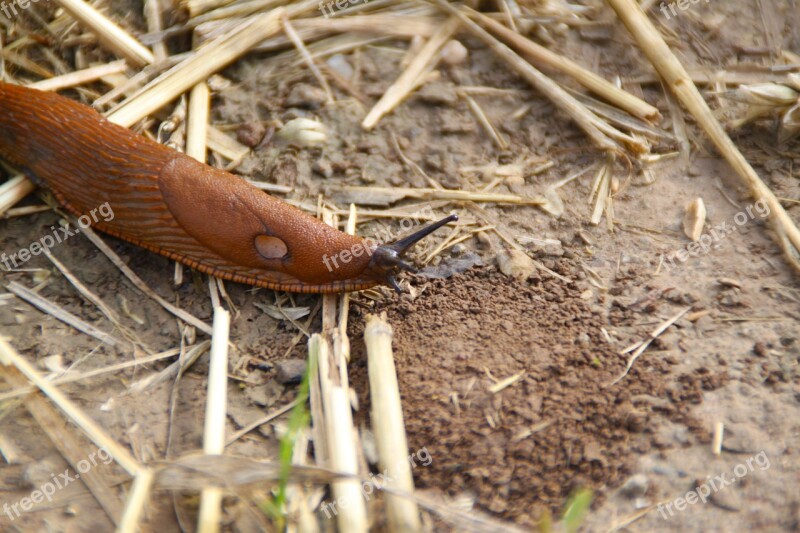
x=341 y=436
x=72 y=377
x=298 y=43
x=587 y=121
x=338 y=426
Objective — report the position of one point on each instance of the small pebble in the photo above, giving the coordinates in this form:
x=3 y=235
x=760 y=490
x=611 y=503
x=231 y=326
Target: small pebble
x=454 y=53
x=306 y=96
x=250 y=134
x=323 y=167
x=635 y=486
x=339 y=64
x=290 y=371
x=516 y=264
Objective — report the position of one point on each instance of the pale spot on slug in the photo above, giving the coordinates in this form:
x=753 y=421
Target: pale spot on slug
x=270 y=247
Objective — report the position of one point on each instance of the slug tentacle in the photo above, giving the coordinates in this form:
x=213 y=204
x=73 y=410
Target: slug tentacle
x=387 y=259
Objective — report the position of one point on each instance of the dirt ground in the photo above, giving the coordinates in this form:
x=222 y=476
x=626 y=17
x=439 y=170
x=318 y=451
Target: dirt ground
x=641 y=443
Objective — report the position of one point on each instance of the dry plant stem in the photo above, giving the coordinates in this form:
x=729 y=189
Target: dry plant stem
x=207 y=60
x=641 y=347
x=80 y=77
x=677 y=79
x=543 y=58
x=388 y=424
x=98 y=435
x=547 y=87
x=152 y=13
x=70 y=377
x=338 y=426
x=301 y=48
x=198 y=7
x=139 y=284
x=378 y=23
x=261 y=421
x=33 y=209
x=66 y=317
x=71 y=448
x=399 y=193
x=13 y=191
x=216 y=409
x=341 y=436
x=423 y=63
x=112 y=36
x=197 y=122
x=716 y=441
x=176 y=369
x=487 y=125
x=137 y=499
x=109 y=313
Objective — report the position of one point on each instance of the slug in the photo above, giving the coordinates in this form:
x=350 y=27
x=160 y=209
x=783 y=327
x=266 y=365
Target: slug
x=171 y=204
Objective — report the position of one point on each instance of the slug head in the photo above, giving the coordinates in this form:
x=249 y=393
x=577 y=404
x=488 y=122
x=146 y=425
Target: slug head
x=387 y=259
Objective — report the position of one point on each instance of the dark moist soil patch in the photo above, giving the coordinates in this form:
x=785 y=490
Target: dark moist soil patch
x=558 y=428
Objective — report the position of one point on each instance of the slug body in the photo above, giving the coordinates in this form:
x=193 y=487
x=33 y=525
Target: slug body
x=169 y=203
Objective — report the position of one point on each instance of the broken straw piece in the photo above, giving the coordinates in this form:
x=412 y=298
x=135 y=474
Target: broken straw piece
x=695 y=219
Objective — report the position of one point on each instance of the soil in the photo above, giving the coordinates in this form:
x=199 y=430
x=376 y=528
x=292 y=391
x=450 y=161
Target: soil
x=639 y=444
x=561 y=426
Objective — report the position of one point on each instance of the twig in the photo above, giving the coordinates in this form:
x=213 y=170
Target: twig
x=71 y=448
x=134 y=507
x=541 y=57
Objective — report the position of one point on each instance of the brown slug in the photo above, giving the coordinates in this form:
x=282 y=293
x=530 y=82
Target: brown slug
x=171 y=204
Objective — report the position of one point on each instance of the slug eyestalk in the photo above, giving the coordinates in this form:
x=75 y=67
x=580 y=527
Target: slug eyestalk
x=387 y=259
